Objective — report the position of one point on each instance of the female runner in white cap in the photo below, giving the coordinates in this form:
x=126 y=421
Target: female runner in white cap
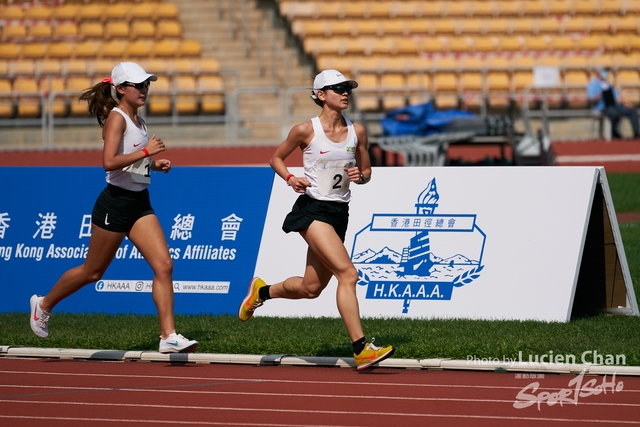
x=335 y=155
x=123 y=208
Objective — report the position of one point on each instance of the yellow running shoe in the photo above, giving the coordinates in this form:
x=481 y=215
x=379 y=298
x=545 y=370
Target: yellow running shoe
x=371 y=355
x=252 y=300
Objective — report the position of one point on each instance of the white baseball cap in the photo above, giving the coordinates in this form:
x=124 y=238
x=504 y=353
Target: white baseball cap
x=130 y=72
x=330 y=78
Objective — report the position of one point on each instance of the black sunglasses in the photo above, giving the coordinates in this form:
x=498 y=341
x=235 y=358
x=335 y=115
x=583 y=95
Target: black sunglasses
x=144 y=85
x=339 y=89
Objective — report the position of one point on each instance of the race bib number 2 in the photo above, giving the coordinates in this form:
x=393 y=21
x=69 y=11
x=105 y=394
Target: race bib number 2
x=140 y=171
x=332 y=178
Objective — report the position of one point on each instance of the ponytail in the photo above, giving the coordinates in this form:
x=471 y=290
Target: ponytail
x=100 y=101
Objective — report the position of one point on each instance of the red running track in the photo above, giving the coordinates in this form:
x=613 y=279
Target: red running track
x=73 y=393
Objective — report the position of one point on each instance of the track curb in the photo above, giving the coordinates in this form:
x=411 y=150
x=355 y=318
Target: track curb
x=341 y=362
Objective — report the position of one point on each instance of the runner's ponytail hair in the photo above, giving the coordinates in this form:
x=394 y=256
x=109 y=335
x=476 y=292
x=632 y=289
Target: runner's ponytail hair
x=100 y=101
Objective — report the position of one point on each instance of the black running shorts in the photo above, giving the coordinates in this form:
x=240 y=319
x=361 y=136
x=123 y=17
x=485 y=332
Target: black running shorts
x=307 y=209
x=117 y=209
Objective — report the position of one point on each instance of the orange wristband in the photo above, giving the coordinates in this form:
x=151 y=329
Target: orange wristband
x=145 y=151
x=288 y=177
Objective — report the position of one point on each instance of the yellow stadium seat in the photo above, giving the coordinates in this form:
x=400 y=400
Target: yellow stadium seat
x=471 y=81
x=186 y=104
x=483 y=9
x=33 y=50
x=498 y=26
x=159 y=103
x=59 y=105
x=366 y=27
x=10 y=50
x=521 y=79
x=113 y=49
x=91 y=12
x=510 y=43
x=394 y=27
x=211 y=103
x=445 y=81
x=90 y=29
x=156 y=66
x=38 y=12
x=14 y=30
x=28 y=96
x=23 y=67
x=575 y=24
x=49 y=67
x=368 y=64
x=40 y=30
x=342 y=63
x=583 y=7
x=472 y=26
x=86 y=49
x=74 y=67
x=208 y=66
x=617 y=43
x=523 y=25
x=558 y=7
x=6 y=105
x=588 y=43
x=532 y=8
x=445 y=26
x=576 y=62
x=77 y=85
x=142 y=48
x=457 y=8
x=168 y=28
x=184 y=66
x=100 y=68
x=165 y=10
x=334 y=27
x=142 y=10
x=65 y=12
x=188 y=49
x=548 y=25
x=395 y=63
x=497 y=81
x=626 y=24
x=165 y=49
x=12 y=12
x=484 y=44
x=610 y=7
x=116 y=29
x=561 y=43
x=117 y=12
x=411 y=9
x=630 y=61
x=366 y=97
x=536 y=43
x=65 y=30
x=393 y=84
x=508 y=8
x=600 y=24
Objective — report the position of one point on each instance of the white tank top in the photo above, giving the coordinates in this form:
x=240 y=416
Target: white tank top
x=135 y=177
x=324 y=163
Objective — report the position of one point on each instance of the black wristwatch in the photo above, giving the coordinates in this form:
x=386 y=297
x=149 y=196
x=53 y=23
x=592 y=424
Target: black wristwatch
x=362 y=180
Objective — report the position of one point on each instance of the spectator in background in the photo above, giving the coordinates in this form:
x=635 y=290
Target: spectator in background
x=604 y=98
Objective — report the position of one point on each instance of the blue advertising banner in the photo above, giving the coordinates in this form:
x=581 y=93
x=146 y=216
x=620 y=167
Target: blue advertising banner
x=213 y=218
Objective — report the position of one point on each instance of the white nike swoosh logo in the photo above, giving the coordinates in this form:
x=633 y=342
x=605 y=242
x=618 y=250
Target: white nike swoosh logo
x=106 y=219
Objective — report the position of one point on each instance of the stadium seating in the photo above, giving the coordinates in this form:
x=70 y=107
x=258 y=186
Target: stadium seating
x=574 y=35
x=66 y=46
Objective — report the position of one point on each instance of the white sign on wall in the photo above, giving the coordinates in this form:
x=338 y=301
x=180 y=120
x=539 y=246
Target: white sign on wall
x=471 y=242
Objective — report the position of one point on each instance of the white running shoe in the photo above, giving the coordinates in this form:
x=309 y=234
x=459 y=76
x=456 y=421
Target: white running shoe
x=39 y=318
x=176 y=343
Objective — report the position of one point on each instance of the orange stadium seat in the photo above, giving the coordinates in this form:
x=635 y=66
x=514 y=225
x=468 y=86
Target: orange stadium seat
x=28 y=97
x=186 y=104
x=211 y=103
x=366 y=97
x=76 y=85
x=91 y=29
x=65 y=12
x=117 y=12
x=6 y=104
x=188 y=49
x=33 y=50
x=12 y=12
x=558 y=7
x=156 y=66
x=393 y=84
x=40 y=30
x=100 y=68
x=208 y=66
x=116 y=29
x=91 y=12
x=10 y=50
x=160 y=103
x=141 y=48
x=86 y=49
x=548 y=25
x=22 y=67
x=38 y=12
x=583 y=7
x=610 y=7
x=65 y=30
x=168 y=28
x=532 y=8
x=14 y=30
x=626 y=24
x=113 y=49
x=165 y=10
x=55 y=84
x=143 y=28
x=142 y=10
x=49 y=67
